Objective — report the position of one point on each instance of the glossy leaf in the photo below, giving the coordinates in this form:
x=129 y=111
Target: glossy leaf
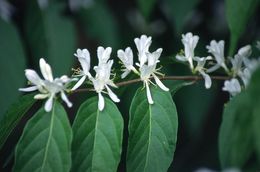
x=97 y=137
x=239 y=133
x=13 y=115
x=235 y=139
x=243 y=9
x=12 y=64
x=152 y=132
x=45 y=144
x=50 y=35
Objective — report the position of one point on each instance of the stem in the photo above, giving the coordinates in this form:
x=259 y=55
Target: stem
x=188 y=78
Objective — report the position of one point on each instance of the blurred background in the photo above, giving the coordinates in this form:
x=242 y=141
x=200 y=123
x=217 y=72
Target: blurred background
x=34 y=29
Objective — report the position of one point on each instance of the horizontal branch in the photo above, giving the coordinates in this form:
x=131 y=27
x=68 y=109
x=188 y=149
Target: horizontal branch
x=188 y=78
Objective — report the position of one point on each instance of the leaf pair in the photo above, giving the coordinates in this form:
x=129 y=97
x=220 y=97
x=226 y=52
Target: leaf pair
x=47 y=145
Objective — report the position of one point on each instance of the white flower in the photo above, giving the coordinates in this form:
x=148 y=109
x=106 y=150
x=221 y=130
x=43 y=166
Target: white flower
x=200 y=68
x=148 y=70
x=142 y=44
x=127 y=59
x=232 y=86
x=84 y=59
x=48 y=87
x=103 y=54
x=250 y=67
x=102 y=79
x=217 y=49
x=190 y=42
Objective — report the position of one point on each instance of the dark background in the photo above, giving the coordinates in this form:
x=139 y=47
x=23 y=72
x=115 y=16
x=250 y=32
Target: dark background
x=56 y=31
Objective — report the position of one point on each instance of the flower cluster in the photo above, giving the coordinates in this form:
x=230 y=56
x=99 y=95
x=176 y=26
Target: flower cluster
x=239 y=67
x=147 y=64
x=48 y=87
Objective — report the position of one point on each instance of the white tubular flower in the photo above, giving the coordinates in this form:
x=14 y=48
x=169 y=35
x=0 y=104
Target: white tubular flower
x=142 y=44
x=127 y=59
x=150 y=70
x=236 y=64
x=48 y=87
x=200 y=68
x=232 y=86
x=217 y=49
x=84 y=59
x=190 y=42
x=250 y=67
x=103 y=54
x=102 y=81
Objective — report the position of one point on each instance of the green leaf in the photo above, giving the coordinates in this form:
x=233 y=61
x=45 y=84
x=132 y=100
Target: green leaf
x=179 y=11
x=243 y=9
x=50 y=35
x=45 y=144
x=152 y=132
x=239 y=139
x=146 y=7
x=12 y=64
x=235 y=138
x=97 y=137
x=13 y=115
x=97 y=17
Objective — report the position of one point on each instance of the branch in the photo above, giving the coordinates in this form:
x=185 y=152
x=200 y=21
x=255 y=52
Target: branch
x=188 y=78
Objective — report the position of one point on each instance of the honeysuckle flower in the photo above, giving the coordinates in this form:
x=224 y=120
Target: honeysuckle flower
x=149 y=70
x=103 y=54
x=217 y=49
x=6 y=10
x=84 y=59
x=250 y=67
x=190 y=42
x=200 y=68
x=142 y=44
x=48 y=87
x=232 y=86
x=127 y=59
x=102 y=81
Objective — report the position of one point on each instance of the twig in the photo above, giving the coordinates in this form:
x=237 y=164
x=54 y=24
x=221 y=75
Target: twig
x=189 y=78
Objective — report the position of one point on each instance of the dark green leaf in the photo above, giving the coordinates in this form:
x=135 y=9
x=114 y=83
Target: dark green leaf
x=152 y=132
x=50 y=35
x=235 y=138
x=239 y=133
x=243 y=9
x=13 y=115
x=45 y=144
x=12 y=64
x=97 y=137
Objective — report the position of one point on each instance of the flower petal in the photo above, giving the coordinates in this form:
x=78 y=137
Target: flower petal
x=48 y=104
x=40 y=96
x=101 y=102
x=28 y=89
x=65 y=99
x=33 y=77
x=112 y=95
x=46 y=70
x=125 y=74
x=79 y=83
x=159 y=83
x=207 y=79
x=148 y=93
